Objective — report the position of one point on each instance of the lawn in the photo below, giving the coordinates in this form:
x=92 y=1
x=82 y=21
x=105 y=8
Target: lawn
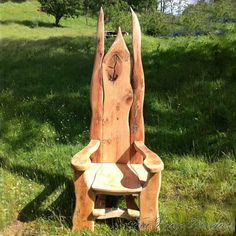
x=190 y=121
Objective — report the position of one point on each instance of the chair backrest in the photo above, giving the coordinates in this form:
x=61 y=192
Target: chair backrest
x=117 y=91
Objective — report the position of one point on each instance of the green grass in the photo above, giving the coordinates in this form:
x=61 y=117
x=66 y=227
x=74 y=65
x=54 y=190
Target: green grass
x=190 y=121
x=26 y=21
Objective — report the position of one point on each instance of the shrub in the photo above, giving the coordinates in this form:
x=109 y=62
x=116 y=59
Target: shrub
x=61 y=8
x=118 y=14
x=156 y=23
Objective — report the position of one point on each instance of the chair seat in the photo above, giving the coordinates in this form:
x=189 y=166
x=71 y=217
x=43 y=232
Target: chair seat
x=113 y=178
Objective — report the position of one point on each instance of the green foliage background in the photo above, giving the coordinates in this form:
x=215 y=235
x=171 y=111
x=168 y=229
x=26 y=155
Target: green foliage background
x=61 y=8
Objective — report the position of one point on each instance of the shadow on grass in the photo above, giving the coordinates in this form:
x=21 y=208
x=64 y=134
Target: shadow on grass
x=190 y=103
x=62 y=207
x=28 y=23
x=190 y=107
x=47 y=82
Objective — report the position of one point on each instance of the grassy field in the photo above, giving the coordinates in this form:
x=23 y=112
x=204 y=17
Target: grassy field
x=190 y=117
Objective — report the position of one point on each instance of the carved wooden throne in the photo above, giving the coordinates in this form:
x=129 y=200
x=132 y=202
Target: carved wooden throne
x=116 y=161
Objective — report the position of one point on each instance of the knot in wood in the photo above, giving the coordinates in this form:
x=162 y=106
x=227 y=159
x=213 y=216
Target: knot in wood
x=114 y=67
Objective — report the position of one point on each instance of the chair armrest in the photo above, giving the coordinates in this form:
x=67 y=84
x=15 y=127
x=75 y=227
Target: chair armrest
x=151 y=160
x=81 y=160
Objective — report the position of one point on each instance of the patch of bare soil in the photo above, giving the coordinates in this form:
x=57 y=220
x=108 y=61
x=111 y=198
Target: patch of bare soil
x=18 y=228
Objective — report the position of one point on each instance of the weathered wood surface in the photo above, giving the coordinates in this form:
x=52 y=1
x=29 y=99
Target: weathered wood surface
x=149 y=212
x=96 y=94
x=118 y=97
x=116 y=178
x=117 y=212
x=99 y=212
x=136 y=113
x=85 y=198
x=151 y=160
x=81 y=161
x=141 y=172
x=116 y=161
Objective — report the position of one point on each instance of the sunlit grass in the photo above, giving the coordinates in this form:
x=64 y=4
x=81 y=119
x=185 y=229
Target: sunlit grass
x=27 y=21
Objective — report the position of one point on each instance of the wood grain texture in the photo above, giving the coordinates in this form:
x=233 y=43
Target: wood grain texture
x=118 y=97
x=81 y=160
x=136 y=113
x=151 y=160
x=98 y=212
x=121 y=213
x=116 y=161
x=149 y=212
x=114 y=178
x=96 y=94
x=141 y=172
x=85 y=197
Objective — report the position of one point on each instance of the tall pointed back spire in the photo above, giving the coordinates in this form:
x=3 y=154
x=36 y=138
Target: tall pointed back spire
x=117 y=92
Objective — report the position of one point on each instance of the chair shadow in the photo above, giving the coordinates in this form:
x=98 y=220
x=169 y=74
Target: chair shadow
x=62 y=207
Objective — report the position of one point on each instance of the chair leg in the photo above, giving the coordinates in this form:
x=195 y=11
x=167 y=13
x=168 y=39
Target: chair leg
x=85 y=198
x=149 y=212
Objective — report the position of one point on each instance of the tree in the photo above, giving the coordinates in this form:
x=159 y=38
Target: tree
x=145 y=5
x=61 y=8
x=162 y=4
x=224 y=9
x=116 y=12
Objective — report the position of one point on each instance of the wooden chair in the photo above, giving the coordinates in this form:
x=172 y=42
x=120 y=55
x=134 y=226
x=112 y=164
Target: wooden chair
x=116 y=161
